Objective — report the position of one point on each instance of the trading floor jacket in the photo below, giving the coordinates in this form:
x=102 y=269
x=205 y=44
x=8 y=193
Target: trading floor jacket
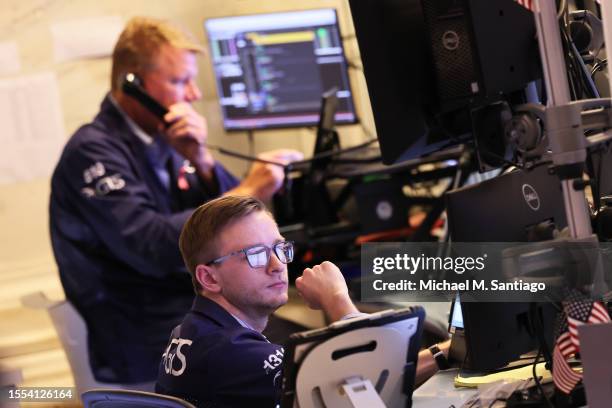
x=114 y=229
x=213 y=361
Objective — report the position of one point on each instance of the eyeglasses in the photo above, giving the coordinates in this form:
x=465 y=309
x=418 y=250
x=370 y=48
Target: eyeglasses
x=258 y=256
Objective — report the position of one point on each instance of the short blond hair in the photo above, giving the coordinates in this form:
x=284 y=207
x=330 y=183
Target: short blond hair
x=198 y=240
x=141 y=40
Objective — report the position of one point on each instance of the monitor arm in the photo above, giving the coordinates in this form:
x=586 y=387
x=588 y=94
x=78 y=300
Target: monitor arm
x=564 y=123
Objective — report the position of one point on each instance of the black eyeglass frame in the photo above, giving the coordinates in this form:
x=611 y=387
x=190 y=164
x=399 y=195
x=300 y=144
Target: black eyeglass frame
x=266 y=248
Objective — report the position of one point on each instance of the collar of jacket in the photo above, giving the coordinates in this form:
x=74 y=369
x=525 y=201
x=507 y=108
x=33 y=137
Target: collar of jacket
x=213 y=311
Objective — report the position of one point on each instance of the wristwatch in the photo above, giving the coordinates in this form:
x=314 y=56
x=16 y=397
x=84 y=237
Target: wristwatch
x=438 y=355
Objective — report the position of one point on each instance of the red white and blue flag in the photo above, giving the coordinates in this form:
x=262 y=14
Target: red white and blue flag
x=528 y=4
x=577 y=310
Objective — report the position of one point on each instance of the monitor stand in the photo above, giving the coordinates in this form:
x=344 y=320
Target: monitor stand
x=307 y=199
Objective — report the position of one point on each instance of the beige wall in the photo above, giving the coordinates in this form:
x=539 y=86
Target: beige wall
x=83 y=83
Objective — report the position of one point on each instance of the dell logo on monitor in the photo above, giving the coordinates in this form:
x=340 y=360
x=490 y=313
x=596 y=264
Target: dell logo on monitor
x=450 y=40
x=531 y=197
x=384 y=210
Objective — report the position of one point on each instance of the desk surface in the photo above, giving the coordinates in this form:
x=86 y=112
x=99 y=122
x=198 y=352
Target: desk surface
x=439 y=392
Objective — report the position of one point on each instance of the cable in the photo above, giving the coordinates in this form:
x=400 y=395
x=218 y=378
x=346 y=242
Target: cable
x=502 y=159
x=536 y=379
x=581 y=83
x=251 y=157
x=334 y=153
x=583 y=74
x=292 y=164
x=597 y=195
x=251 y=140
x=242 y=156
x=536 y=319
x=598 y=66
x=571 y=71
x=569 y=63
x=562 y=9
x=373 y=159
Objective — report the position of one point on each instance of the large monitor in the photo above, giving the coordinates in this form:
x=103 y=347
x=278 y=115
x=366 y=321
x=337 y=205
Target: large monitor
x=271 y=69
x=430 y=65
x=519 y=206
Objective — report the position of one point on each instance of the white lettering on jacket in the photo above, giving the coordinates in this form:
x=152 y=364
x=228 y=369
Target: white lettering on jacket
x=172 y=352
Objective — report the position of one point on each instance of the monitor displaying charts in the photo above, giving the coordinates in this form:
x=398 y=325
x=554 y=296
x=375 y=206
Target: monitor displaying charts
x=271 y=69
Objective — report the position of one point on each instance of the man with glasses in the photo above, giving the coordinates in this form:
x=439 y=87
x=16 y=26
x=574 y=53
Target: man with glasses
x=217 y=357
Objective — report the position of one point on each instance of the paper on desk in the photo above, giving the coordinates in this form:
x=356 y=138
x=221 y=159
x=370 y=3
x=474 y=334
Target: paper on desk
x=32 y=127
x=9 y=58
x=521 y=373
x=85 y=38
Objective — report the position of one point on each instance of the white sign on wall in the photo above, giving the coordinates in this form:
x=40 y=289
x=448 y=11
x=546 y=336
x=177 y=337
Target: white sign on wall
x=33 y=132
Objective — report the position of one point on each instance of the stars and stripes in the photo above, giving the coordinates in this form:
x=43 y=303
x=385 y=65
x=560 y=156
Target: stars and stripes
x=598 y=314
x=528 y=4
x=564 y=376
x=577 y=310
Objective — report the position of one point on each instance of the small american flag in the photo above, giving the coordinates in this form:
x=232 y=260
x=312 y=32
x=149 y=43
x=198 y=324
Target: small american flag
x=577 y=310
x=528 y=4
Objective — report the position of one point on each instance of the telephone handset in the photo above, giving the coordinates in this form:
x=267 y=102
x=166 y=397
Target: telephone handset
x=132 y=86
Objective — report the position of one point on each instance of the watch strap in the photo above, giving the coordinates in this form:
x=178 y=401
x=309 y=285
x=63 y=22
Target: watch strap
x=439 y=357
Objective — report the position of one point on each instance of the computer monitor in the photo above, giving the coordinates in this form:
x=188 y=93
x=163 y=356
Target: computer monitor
x=519 y=206
x=430 y=64
x=320 y=211
x=271 y=69
x=495 y=334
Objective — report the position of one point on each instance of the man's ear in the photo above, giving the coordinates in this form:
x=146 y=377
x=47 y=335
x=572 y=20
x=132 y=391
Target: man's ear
x=208 y=277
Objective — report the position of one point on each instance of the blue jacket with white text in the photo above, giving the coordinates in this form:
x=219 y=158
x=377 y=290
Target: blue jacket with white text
x=114 y=229
x=213 y=361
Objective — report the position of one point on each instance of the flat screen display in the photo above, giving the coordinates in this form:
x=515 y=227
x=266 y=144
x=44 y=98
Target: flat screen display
x=271 y=69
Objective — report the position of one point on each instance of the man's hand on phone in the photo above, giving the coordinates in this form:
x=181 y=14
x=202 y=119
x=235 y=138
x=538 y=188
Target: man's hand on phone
x=187 y=132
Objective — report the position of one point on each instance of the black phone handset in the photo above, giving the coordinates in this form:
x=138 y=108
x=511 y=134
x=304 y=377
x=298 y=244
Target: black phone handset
x=132 y=86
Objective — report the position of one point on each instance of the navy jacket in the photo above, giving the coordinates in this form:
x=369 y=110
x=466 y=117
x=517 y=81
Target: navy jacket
x=114 y=230
x=213 y=361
